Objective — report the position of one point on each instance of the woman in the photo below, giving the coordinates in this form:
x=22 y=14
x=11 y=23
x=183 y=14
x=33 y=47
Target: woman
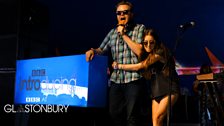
x=158 y=66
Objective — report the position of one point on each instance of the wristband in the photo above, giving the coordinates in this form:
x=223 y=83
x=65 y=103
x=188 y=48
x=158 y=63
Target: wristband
x=94 y=51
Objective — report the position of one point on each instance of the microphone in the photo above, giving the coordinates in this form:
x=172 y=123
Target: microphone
x=122 y=24
x=187 y=25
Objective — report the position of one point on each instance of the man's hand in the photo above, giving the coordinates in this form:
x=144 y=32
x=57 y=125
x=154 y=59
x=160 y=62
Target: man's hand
x=121 y=29
x=89 y=55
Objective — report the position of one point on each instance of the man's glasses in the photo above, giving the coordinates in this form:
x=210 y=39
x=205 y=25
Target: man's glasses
x=125 y=12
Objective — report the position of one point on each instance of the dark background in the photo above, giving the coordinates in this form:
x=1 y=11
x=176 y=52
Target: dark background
x=46 y=28
x=75 y=26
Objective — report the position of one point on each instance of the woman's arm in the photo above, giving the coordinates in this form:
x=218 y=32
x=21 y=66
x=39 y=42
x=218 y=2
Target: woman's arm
x=131 y=67
x=151 y=59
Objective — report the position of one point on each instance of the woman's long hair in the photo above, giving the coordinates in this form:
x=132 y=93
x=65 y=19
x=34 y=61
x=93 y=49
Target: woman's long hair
x=160 y=49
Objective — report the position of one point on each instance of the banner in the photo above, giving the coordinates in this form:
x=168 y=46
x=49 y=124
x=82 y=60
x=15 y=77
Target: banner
x=64 y=80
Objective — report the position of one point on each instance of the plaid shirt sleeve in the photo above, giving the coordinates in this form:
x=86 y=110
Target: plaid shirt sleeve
x=140 y=33
x=106 y=44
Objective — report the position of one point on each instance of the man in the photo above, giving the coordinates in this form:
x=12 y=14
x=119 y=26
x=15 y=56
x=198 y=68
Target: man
x=127 y=87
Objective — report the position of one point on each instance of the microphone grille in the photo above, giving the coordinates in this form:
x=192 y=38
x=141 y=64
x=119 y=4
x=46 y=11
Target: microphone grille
x=192 y=23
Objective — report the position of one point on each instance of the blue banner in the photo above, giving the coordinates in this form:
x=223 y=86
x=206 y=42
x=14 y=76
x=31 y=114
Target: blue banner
x=57 y=80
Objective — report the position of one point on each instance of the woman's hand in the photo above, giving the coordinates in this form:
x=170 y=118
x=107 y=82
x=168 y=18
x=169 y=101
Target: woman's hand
x=115 y=65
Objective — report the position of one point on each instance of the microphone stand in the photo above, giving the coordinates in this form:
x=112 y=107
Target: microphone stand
x=179 y=37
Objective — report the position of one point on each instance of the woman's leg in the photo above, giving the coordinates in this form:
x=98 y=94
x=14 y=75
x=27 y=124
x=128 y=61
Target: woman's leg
x=160 y=109
x=155 y=107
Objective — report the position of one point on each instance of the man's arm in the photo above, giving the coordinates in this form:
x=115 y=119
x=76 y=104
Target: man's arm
x=104 y=46
x=90 y=53
x=136 y=47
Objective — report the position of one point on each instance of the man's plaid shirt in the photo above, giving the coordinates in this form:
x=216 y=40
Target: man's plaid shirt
x=122 y=54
